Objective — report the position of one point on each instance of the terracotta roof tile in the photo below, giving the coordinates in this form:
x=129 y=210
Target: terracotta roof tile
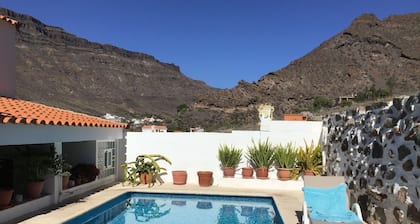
x=25 y=112
x=9 y=20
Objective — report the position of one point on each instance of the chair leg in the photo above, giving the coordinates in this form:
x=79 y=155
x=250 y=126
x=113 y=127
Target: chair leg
x=356 y=209
x=305 y=215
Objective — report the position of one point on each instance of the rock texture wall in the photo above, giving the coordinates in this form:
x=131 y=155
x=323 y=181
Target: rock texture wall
x=379 y=153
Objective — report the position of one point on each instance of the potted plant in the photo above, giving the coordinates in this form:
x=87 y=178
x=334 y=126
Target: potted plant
x=62 y=168
x=36 y=165
x=261 y=157
x=83 y=173
x=309 y=160
x=285 y=159
x=229 y=158
x=6 y=183
x=145 y=168
x=247 y=172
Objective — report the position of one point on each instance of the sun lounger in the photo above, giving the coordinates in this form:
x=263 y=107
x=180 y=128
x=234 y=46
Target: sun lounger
x=326 y=201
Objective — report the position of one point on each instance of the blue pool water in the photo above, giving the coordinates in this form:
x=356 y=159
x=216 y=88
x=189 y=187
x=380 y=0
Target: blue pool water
x=133 y=207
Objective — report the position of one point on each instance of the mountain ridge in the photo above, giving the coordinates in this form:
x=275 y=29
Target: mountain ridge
x=73 y=73
x=59 y=69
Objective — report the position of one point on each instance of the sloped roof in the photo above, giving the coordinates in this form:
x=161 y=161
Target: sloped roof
x=24 y=112
x=9 y=20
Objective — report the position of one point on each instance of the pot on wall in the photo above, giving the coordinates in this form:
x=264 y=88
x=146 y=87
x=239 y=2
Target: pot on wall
x=5 y=197
x=247 y=172
x=205 y=178
x=228 y=172
x=145 y=178
x=308 y=173
x=284 y=173
x=65 y=182
x=33 y=189
x=262 y=173
x=179 y=177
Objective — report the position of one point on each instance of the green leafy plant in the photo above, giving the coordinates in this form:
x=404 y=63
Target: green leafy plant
x=285 y=156
x=60 y=166
x=310 y=158
x=229 y=156
x=144 y=164
x=36 y=164
x=261 y=154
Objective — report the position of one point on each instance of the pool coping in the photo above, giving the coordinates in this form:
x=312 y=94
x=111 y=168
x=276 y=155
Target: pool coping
x=288 y=202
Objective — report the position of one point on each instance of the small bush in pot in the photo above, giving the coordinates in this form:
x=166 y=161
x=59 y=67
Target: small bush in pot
x=145 y=168
x=285 y=160
x=309 y=160
x=261 y=157
x=229 y=157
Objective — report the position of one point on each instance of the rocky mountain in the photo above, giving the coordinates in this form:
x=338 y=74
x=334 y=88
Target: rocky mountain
x=60 y=69
x=369 y=53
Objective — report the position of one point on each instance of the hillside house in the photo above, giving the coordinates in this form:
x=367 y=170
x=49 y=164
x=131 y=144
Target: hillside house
x=28 y=128
x=154 y=128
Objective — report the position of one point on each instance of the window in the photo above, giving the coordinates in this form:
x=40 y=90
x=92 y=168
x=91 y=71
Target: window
x=106 y=158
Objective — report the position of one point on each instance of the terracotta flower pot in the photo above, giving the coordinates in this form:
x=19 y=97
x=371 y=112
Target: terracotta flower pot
x=247 y=172
x=205 y=178
x=228 y=172
x=284 y=173
x=262 y=173
x=65 y=182
x=5 y=197
x=144 y=178
x=308 y=173
x=34 y=189
x=179 y=177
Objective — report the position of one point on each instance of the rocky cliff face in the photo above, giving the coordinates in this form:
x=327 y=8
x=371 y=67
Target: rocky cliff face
x=59 y=69
x=370 y=52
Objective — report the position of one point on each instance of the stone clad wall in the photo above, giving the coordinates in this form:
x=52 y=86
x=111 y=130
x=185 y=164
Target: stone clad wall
x=379 y=153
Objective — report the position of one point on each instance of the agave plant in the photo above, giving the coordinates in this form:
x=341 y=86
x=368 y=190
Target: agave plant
x=310 y=158
x=285 y=156
x=261 y=154
x=229 y=156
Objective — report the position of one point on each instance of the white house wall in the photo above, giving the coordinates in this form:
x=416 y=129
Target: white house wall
x=20 y=134
x=198 y=150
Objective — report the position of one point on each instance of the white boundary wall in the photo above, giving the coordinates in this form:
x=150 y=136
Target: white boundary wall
x=193 y=151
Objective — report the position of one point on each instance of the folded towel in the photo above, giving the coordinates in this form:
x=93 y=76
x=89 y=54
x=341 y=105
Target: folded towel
x=329 y=204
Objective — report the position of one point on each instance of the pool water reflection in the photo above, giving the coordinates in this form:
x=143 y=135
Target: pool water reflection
x=183 y=208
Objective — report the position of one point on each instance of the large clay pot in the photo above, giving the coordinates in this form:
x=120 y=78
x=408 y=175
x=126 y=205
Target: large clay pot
x=205 y=178
x=308 y=173
x=145 y=178
x=247 y=172
x=262 y=173
x=65 y=182
x=228 y=172
x=284 y=173
x=179 y=177
x=34 y=189
x=5 y=197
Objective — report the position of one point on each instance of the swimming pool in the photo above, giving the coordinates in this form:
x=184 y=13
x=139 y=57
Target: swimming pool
x=135 y=207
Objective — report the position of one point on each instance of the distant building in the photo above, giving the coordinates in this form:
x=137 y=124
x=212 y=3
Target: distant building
x=154 y=128
x=197 y=129
x=340 y=99
x=294 y=117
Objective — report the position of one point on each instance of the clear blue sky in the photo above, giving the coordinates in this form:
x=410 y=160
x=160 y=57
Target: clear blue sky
x=216 y=41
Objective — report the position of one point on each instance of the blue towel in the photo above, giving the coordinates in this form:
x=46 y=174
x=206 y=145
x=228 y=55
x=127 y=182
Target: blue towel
x=329 y=204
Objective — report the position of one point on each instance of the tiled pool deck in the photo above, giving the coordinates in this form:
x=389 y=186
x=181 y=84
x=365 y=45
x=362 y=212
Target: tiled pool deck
x=286 y=194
